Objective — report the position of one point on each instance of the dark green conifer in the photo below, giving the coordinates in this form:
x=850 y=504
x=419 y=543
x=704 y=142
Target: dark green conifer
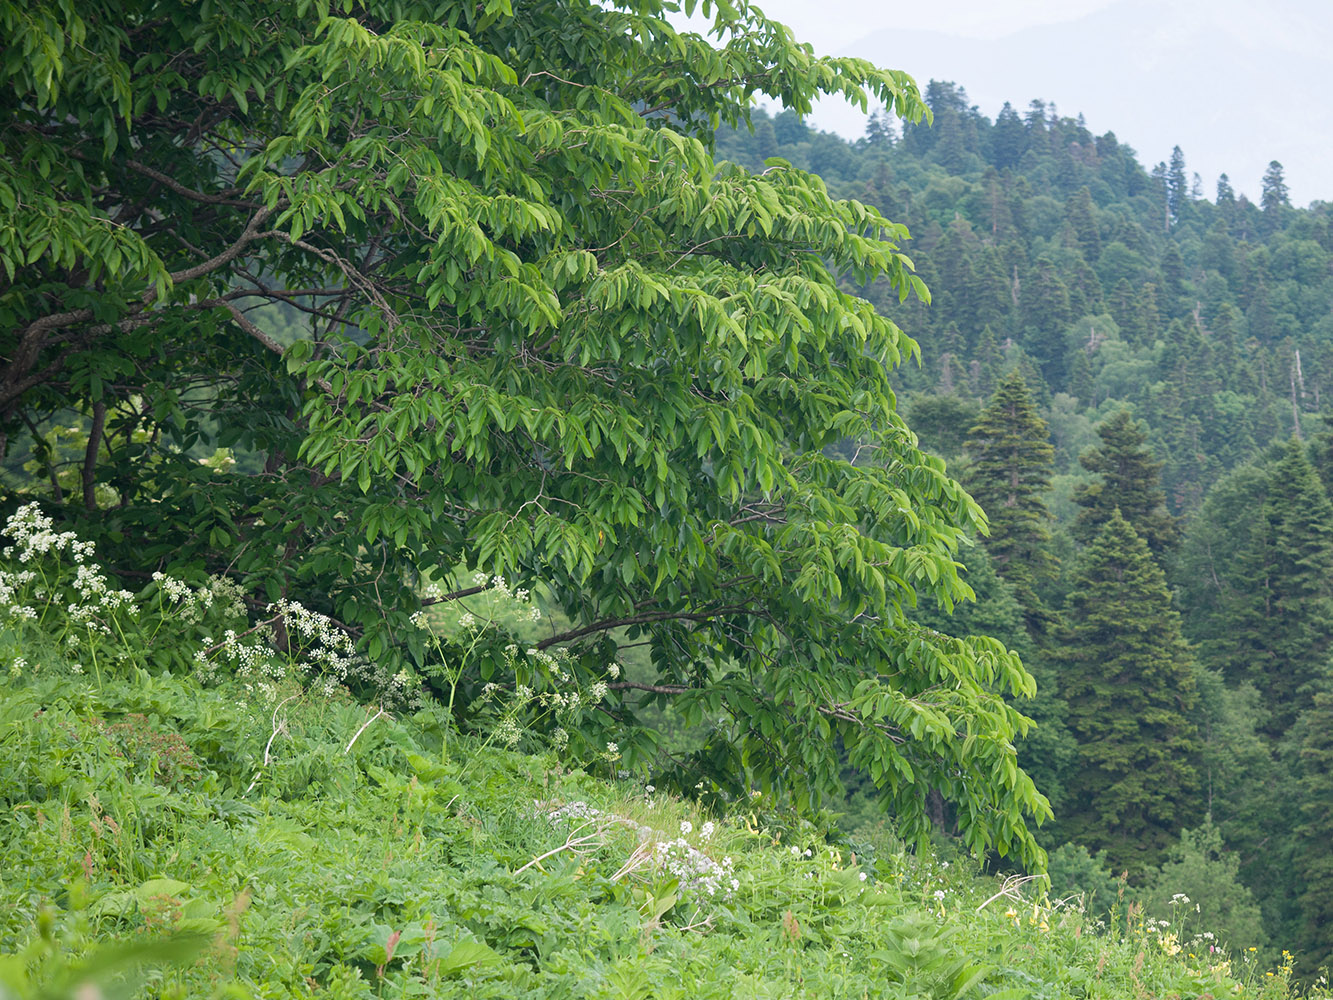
x=1009 y=473
x=1314 y=833
x=1257 y=578
x=1128 y=679
x=1082 y=219
x=989 y=362
x=1129 y=481
x=1299 y=585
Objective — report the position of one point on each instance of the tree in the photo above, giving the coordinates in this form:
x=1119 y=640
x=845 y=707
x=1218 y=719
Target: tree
x=1257 y=581
x=1128 y=679
x=1007 y=138
x=1080 y=215
x=1008 y=473
x=545 y=337
x=1202 y=870
x=1128 y=483
x=1299 y=593
x=881 y=130
x=1178 y=194
x=1314 y=827
x=1274 y=189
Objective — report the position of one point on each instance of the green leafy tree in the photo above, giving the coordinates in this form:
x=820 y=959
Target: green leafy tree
x=547 y=338
x=1128 y=482
x=1128 y=679
x=1201 y=869
x=1008 y=473
x=1245 y=784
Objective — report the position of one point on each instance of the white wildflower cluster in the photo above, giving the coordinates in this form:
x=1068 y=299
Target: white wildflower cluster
x=565 y=700
x=696 y=872
x=33 y=536
x=245 y=656
x=195 y=602
x=12 y=586
x=34 y=539
x=323 y=644
x=95 y=596
x=508 y=733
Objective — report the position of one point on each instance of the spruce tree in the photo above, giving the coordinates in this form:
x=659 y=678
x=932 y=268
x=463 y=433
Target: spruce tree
x=1129 y=481
x=1313 y=862
x=1127 y=677
x=1008 y=474
x=1256 y=577
x=1298 y=518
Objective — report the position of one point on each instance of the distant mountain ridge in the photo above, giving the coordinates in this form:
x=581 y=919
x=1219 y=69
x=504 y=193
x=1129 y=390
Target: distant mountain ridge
x=1158 y=75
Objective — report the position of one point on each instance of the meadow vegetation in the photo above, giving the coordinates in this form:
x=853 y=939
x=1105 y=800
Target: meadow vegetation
x=183 y=831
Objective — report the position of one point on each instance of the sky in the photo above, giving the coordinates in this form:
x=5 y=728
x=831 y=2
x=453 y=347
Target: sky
x=1234 y=83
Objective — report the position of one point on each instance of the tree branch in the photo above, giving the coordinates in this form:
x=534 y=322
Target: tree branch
x=90 y=456
x=653 y=616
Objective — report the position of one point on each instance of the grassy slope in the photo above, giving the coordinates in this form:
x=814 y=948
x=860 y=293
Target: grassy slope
x=134 y=811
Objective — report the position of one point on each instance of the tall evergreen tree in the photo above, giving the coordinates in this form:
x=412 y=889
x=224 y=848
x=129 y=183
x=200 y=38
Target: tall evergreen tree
x=1081 y=216
x=1177 y=186
x=1256 y=576
x=1313 y=862
x=1009 y=473
x=1299 y=521
x=1007 y=137
x=1128 y=679
x=1275 y=194
x=1129 y=481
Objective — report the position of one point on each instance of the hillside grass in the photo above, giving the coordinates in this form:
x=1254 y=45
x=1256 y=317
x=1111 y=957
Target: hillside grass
x=166 y=838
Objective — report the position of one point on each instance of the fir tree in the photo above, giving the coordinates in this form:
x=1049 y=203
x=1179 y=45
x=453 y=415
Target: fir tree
x=1275 y=194
x=1176 y=185
x=1081 y=216
x=1128 y=680
x=1313 y=861
x=1129 y=482
x=1009 y=474
x=1257 y=578
x=1298 y=518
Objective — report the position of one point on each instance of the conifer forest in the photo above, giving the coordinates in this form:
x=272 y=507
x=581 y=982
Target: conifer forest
x=493 y=507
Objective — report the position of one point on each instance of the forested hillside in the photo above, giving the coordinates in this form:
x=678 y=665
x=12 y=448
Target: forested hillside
x=1129 y=375
x=441 y=471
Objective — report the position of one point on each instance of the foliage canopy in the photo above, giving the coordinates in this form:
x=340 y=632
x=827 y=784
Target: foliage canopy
x=461 y=284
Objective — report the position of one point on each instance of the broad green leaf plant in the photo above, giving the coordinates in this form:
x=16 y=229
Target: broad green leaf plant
x=461 y=285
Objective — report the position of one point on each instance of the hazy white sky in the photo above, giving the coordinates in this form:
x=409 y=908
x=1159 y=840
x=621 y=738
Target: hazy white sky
x=1235 y=83
x=829 y=25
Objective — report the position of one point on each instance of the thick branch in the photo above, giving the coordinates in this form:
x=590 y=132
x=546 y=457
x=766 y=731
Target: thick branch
x=653 y=616
x=453 y=595
x=651 y=688
x=90 y=456
x=33 y=337
x=174 y=185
